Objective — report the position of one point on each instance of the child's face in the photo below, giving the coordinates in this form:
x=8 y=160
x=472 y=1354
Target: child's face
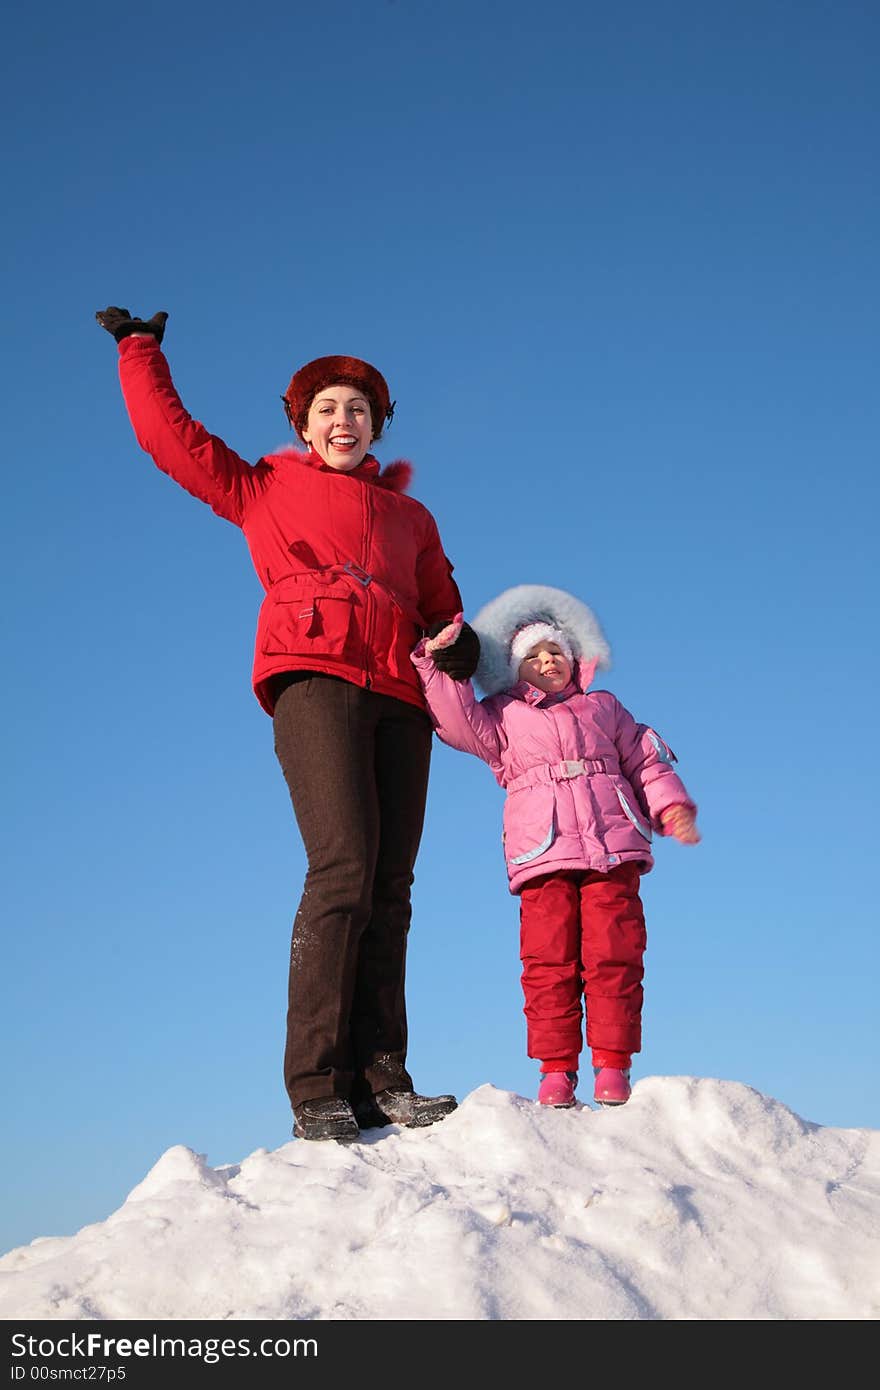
x=546 y=667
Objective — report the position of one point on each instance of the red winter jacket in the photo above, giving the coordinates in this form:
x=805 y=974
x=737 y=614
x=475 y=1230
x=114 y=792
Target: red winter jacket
x=353 y=569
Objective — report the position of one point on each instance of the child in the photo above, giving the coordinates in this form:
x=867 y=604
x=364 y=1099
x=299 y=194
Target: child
x=586 y=787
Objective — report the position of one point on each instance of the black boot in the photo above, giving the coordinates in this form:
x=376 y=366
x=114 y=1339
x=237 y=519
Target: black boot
x=403 y=1108
x=325 y=1117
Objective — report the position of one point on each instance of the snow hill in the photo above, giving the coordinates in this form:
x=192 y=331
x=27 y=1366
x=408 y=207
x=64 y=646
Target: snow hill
x=700 y=1199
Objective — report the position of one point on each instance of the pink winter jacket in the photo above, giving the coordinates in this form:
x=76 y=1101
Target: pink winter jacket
x=586 y=785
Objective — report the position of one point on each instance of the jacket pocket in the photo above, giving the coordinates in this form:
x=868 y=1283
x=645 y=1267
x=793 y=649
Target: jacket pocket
x=529 y=824
x=394 y=635
x=304 y=620
x=641 y=826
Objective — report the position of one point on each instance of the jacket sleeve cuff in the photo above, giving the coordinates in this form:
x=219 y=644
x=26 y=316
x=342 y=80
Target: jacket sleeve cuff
x=137 y=342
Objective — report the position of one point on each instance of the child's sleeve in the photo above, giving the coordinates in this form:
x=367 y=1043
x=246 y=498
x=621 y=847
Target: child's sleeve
x=459 y=718
x=647 y=762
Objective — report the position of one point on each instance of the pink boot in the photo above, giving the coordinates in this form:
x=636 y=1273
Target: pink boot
x=557 y=1089
x=612 y=1086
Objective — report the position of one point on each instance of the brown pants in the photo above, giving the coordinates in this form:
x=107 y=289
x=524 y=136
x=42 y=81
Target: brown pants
x=356 y=764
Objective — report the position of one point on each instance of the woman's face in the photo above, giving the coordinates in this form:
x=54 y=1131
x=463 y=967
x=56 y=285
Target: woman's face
x=546 y=667
x=339 y=426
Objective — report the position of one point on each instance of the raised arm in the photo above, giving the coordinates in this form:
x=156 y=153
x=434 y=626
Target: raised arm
x=458 y=717
x=200 y=462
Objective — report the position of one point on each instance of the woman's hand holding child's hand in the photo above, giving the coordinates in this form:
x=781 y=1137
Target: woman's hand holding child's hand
x=680 y=822
x=455 y=648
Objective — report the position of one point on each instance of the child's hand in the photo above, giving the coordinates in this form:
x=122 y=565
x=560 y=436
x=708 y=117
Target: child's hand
x=444 y=634
x=680 y=822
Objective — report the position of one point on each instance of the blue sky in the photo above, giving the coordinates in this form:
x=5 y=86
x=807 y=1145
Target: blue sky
x=619 y=266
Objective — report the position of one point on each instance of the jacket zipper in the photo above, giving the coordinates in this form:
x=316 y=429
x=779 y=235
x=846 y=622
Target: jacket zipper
x=368 y=598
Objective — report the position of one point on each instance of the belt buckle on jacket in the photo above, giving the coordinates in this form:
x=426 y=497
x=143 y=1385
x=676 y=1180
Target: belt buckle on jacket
x=573 y=767
x=357 y=572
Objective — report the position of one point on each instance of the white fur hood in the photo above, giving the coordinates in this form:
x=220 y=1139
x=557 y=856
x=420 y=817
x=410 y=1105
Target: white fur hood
x=498 y=622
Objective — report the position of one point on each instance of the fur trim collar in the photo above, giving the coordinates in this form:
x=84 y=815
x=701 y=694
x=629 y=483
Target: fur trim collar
x=498 y=622
x=396 y=476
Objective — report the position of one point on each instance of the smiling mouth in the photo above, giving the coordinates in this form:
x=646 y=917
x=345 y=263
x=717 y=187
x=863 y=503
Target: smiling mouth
x=343 y=441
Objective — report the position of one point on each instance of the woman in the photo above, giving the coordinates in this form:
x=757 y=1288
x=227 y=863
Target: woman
x=354 y=574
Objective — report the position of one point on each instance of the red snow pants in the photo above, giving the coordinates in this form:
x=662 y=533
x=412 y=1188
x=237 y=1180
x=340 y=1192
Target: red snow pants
x=582 y=935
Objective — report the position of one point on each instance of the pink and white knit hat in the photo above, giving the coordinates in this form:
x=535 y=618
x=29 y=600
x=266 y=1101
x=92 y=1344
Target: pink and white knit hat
x=529 y=636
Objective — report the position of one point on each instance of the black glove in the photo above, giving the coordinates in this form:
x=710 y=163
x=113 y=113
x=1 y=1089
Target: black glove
x=120 y=323
x=459 y=659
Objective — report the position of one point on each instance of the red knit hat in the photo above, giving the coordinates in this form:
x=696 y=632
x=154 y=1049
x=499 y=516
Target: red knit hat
x=328 y=371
